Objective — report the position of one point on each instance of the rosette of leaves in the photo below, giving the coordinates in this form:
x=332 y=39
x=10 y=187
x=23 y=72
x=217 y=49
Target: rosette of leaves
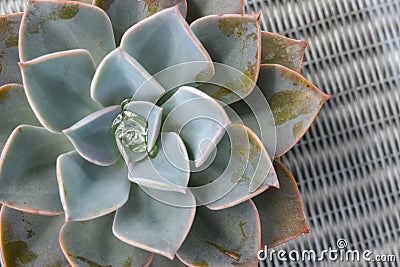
x=105 y=107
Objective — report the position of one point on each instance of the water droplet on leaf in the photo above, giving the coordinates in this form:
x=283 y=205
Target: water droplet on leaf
x=131 y=129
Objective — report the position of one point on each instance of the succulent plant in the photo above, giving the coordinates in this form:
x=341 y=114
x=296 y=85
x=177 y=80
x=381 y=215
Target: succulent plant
x=130 y=136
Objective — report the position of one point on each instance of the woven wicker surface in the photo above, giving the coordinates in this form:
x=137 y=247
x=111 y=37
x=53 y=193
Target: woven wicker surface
x=348 y=164
x=10 y=6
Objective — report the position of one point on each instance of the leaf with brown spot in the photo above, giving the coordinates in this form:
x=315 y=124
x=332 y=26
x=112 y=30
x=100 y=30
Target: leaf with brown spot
x=294 y=103
x=234 y=42
x=55 y=26
x=278 y=49
x=14 y=110
x=9 y=28
x=20 y=249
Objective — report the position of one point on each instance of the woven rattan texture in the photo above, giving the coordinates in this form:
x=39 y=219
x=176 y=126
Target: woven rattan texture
x=348 y=164
x=11 y=6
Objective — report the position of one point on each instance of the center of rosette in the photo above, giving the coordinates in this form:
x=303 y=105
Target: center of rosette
x=131 y=129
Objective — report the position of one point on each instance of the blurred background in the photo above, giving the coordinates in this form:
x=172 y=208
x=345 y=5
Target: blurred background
x=347 y=166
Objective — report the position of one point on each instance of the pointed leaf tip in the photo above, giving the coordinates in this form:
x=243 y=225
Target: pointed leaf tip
x=196 y=117
x=278 y=49
x=281 y=210
x=95 y=129
x=294 y=101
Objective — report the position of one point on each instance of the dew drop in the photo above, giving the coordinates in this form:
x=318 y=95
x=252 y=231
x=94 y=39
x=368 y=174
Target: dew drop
x=153 y=153
x=131 y=129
